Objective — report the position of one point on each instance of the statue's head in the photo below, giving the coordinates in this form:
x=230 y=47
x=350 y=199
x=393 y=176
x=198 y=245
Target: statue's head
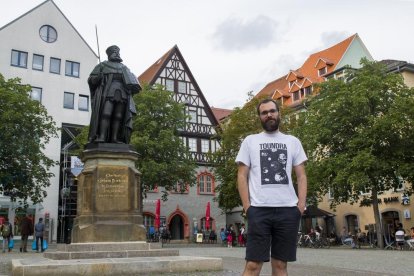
x=113 y=53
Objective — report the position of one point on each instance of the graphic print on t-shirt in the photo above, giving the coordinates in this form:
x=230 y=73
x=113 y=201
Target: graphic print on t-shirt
x=273 y=158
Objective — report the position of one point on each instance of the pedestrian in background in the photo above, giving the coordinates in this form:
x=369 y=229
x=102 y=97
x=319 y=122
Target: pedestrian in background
x=39 y=229
x=26 y=228
x=6 y=231
x=265 y=164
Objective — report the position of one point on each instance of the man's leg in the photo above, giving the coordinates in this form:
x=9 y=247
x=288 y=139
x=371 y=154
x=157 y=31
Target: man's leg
x=41 y=244
x=118 y=114
x=104 y=122
x=37 y=244
x=8 y=243
x=4 y=244
x=25 y=238
x=21 y=243
x=252 y=268
x=279 y=268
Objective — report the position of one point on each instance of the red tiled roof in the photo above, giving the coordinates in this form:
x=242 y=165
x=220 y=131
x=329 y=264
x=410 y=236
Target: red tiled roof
x=277 y=85
x=308 y=72
x=221 y=113
x=151 y=72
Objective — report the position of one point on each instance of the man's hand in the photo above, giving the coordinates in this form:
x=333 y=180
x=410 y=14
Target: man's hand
x=301 y=207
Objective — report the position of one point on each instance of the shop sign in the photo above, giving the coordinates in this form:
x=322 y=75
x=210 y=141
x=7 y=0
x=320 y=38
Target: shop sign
x=391 y=199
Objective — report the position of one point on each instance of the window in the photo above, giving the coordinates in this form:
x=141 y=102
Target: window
x=192 y=112
x=205 y=145
x=322 y=71
x=308 y=91
x=83 y=103
x=37 y=62
x=192 y=144
x=36 y=94
x=295 y=96
x=54 y=65
x=48 y=34
x=72 y=69
x=182 y=87
x=68 y=100
x=181 y=188
x=205 y=184
x=19 y=59
x=169 y=85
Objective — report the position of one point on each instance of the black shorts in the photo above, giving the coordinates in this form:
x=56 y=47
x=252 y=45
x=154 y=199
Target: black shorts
x=274 y=230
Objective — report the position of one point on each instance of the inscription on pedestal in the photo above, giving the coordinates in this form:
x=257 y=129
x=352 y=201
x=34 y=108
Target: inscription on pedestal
x=112 y=185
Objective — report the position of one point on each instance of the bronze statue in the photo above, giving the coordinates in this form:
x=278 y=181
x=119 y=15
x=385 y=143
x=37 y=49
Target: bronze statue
x=112 y=86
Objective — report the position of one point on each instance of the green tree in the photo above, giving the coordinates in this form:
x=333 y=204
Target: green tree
x=164 y=160
x=359 y=136
x=241 y=122
x=25 y=129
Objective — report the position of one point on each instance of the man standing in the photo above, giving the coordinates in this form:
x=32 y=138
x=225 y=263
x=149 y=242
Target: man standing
x=26 y=228
x=265 y=163
x=112 y=86
x=6 y=230
x=39 y=229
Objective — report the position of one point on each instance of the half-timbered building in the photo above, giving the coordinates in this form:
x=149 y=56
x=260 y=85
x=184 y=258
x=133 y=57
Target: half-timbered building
x=184 y=213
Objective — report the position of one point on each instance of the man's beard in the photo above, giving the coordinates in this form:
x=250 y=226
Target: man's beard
x=271 y=124
x=116 y=59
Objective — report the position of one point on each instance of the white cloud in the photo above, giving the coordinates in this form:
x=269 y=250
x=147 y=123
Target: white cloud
x=238 y=34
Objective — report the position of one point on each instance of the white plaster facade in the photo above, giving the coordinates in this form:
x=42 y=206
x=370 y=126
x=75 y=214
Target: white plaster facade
x=22 y=34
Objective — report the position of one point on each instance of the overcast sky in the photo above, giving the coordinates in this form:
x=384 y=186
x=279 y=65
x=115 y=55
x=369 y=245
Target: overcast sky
x=234 y=46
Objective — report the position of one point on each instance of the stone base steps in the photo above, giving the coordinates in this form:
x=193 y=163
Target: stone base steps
x=115 y=266
x=110 y=254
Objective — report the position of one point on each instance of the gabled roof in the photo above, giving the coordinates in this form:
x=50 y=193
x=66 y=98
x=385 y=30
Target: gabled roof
x=280 y=84
x=295 y=87
x=324 y=61
x=296 y=74
x=153 y=72
x=57 y=8
x=308 y=72
x=333 y=54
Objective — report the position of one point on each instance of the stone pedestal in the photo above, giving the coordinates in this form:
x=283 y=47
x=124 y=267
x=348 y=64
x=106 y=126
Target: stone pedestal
x=109 y=207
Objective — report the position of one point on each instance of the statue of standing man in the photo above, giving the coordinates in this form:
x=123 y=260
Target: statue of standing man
x=112 y=86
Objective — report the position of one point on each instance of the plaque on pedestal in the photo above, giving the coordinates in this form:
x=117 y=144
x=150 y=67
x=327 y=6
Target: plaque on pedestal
x=109 y=207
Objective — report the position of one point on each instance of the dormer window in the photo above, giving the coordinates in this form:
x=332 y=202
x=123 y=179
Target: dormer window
x=296 y=96
x=322 y=71
x=291 y=83
x=308 y=91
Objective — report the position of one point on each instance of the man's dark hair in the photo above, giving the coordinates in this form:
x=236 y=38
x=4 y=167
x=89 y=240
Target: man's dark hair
x=266 y=101
x=112 y=49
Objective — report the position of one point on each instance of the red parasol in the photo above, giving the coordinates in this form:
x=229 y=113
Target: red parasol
x=157 y=214
x=208 y=215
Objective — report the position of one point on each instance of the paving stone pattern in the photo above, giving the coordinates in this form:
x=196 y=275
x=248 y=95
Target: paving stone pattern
x=327 y=262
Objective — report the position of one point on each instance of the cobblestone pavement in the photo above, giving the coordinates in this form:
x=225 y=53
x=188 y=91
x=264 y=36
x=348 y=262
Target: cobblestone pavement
x=327 y=262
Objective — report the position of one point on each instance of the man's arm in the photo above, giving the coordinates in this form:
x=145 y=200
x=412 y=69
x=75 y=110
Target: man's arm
x=243 y=184
x=302 y=186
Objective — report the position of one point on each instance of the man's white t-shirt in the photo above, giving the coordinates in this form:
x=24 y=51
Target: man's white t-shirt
x=270 y=158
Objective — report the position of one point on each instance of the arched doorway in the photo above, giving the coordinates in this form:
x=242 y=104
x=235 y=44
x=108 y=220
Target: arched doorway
x=352 y=223
x=176 y=227
x=389 y=220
